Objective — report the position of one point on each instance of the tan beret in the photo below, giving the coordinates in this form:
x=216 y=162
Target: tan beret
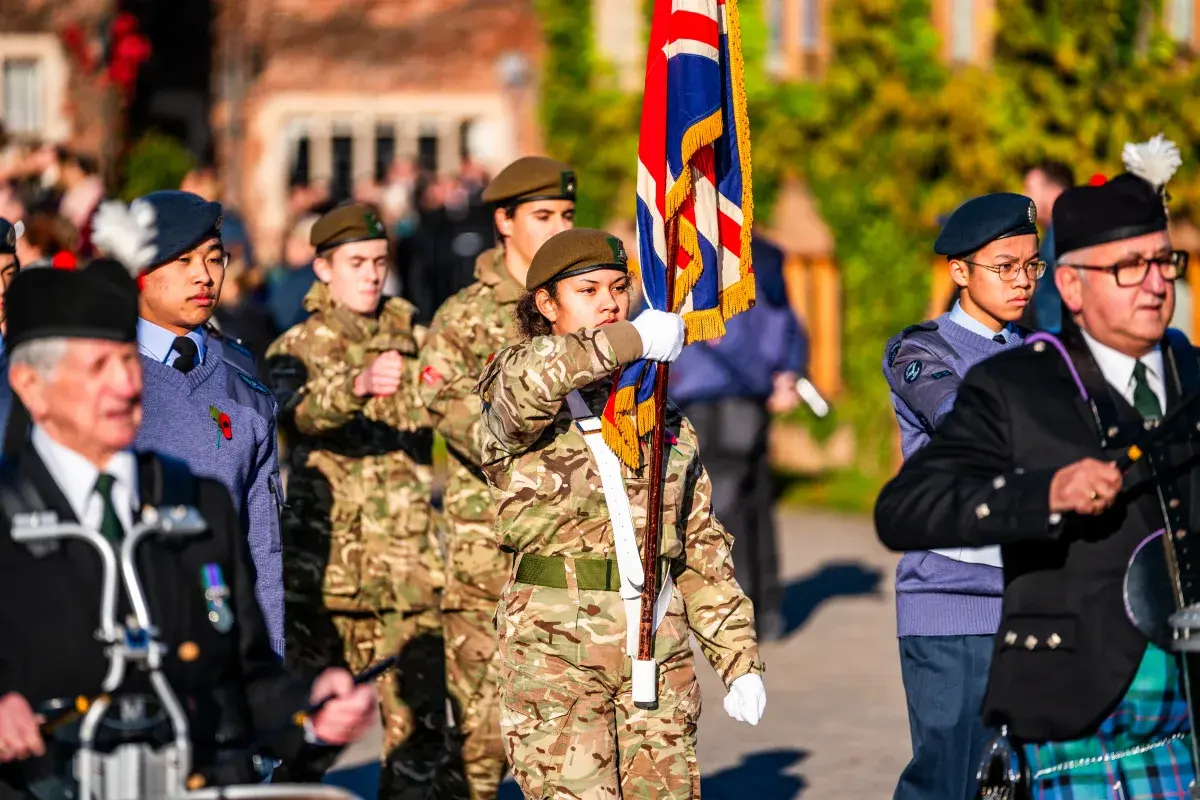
x=575 y=252
x=352 y=222
x=531 y=178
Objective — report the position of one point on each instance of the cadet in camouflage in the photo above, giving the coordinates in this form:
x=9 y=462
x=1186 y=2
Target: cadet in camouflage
x=534 y=199
x=362 y=567
x=570 y=725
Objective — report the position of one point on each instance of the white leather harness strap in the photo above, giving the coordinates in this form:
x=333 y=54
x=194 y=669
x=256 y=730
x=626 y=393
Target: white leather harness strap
x=616 y=498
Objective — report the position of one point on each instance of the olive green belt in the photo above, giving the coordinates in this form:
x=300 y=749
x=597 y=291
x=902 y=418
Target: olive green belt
x=594 y=574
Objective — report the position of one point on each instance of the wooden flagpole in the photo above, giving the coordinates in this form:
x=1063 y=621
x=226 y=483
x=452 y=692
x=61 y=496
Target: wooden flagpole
x=654 y=511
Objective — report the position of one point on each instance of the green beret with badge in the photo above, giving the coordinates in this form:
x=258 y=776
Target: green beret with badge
x=531 y=178
x=350 y=222
x=574 y=252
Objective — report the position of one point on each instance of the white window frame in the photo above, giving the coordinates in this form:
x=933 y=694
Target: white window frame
x=45 y=49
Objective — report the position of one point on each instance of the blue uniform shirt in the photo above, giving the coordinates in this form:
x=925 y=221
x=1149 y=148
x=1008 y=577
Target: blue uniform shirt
x=156 y=342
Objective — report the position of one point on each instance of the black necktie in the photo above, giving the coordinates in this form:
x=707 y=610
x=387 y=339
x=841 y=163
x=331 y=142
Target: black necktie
x=185 y=362
x=998 y=338
x=110 y=523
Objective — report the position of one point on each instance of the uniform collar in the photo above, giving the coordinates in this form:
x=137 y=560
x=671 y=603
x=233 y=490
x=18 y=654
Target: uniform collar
x=1117 y=368
x=491 y=271
x=156 y=341
x=76 y=476
x=964 y=320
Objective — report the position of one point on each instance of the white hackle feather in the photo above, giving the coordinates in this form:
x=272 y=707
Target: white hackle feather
x=18 y=230
x=126 y=233
x=1154 y=161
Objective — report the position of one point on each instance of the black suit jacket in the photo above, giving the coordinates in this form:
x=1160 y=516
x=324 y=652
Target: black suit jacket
x=1065 y=652
x=49 y=611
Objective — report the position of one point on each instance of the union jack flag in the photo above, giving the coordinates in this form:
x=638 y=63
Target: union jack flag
x=693 y=165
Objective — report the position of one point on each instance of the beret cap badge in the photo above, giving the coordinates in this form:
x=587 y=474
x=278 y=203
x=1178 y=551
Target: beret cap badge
x=1032 y=212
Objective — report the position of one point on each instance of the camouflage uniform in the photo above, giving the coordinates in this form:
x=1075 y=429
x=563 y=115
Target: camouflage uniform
x=362 y=566
x=467 y=330
x=570 y=726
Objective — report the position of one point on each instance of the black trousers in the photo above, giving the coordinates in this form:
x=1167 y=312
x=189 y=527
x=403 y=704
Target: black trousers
x=733 y=447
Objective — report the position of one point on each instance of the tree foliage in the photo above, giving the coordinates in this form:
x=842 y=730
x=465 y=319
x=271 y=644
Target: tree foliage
x=891 y=137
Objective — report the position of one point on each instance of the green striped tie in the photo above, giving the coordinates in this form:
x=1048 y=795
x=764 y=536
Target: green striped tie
x=110 y=523
x=1144 y=398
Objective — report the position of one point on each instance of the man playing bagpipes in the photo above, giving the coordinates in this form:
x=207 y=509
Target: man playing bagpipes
x=1071 y=453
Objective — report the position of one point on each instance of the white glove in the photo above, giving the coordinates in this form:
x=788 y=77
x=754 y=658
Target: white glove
x=662 y=335
x=747 y=699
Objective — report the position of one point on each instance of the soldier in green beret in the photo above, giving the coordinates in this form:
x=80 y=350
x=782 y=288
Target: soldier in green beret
x=362 y=567
x=534 y=199
x=571 y=511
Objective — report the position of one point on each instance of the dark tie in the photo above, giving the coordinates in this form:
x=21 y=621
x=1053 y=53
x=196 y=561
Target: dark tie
x=1144 y=398
x=999 y=338
x=186 y=360
x=110 y=523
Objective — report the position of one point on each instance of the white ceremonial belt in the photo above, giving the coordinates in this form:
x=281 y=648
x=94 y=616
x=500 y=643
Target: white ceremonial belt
x=616 y=498
x=989 y=556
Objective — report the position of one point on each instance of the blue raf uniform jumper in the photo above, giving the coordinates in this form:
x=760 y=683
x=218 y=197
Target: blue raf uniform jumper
x=947 y=602
x=182 y=416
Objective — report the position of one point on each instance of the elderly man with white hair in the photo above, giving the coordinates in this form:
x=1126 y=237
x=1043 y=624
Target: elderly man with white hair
x=77 y=371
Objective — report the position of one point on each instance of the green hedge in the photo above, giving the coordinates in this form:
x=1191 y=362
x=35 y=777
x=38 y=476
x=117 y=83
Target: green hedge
x=891 y=137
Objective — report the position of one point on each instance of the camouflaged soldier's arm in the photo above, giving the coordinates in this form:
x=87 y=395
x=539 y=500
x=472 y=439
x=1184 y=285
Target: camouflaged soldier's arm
x=315 y=393
x=922 y=380
x=525 y=385
x=719 y=613
x=446 y=382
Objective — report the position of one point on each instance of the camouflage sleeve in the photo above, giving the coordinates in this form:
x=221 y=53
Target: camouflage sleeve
x=923 y=381
x=314 y=394
x=719 y=613
x=446 y=382
x=524 y=386
x=403 y=409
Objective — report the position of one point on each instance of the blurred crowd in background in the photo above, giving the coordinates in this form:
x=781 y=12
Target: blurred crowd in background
x=439 y=225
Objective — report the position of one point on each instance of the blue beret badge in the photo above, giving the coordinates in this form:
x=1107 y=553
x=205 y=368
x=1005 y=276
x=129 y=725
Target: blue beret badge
x=1032 y=213
x=913 y=371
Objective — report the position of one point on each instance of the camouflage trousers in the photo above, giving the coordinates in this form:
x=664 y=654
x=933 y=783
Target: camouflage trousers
x=473 y=679
x=413 y=696
x=570 y=727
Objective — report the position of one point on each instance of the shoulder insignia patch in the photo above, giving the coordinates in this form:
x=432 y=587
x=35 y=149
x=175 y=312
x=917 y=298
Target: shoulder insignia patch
x=893 y=352
x=431 y=377
x=943 y=373
x=253 y=383
x=913 y=371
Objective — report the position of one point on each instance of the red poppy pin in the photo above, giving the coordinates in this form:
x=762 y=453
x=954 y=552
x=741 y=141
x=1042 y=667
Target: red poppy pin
x=431 y=377
x=223 y=422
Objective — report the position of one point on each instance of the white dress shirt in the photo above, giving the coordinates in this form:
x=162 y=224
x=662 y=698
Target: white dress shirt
x=76 y=478
x=1117 y=369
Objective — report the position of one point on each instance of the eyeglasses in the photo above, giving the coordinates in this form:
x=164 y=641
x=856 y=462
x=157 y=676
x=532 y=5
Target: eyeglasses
x=1132 y=271
x=1008 y=272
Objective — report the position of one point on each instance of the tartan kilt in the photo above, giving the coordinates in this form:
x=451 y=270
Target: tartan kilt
x=1152 y=712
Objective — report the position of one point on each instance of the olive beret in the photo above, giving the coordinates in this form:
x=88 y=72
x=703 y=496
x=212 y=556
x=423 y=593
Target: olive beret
x=574 y=252
x=349 y=222
x=982 y=220
x=531 y=178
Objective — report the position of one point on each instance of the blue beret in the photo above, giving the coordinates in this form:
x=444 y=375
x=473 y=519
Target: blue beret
x=8 y=237
x=985 y=219
x=182 y=220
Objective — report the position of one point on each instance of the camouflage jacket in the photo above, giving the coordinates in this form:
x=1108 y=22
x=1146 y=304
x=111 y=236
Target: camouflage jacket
x=358 y=530
x=468 y=328
x=548 y=494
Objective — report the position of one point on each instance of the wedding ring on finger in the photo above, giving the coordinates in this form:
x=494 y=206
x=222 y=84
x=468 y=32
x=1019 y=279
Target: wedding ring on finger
x=1095 y=495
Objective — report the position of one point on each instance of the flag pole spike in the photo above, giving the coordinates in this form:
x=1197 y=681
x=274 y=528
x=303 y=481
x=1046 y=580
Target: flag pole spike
x=648 y=696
